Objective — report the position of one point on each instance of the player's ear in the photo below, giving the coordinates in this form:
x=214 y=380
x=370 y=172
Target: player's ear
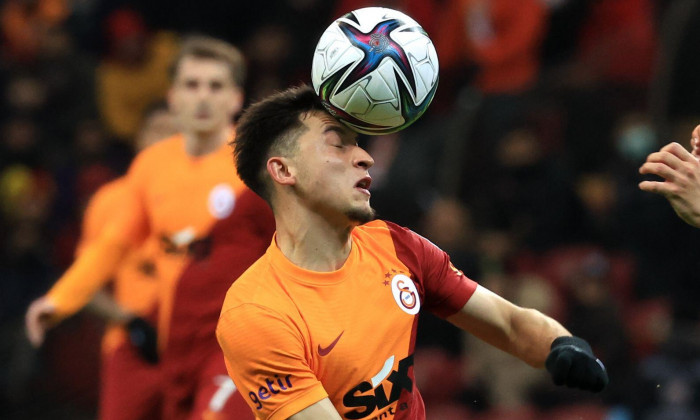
x=280 y=171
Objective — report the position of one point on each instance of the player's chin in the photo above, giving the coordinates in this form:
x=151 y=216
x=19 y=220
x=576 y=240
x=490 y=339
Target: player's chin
x=361 y=215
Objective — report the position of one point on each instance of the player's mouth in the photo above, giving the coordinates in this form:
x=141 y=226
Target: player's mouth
x=363 y=185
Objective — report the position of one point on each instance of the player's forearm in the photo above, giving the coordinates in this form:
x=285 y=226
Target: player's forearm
x=104 y=306
x=86 y=276
x=532 y=334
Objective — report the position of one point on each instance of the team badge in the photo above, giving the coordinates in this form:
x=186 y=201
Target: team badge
x=221 y=201
x=405 y=294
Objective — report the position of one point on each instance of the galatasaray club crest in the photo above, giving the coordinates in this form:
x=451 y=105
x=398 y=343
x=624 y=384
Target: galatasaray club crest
x=405 y=294
x=221 y=201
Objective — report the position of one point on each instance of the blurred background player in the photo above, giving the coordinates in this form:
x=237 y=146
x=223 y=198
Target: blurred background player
x=680 y=170
x=185 y=195
x=130 y=387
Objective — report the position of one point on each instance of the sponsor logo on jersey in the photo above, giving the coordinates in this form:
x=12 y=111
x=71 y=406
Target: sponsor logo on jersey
x=271 y=387
x=371 y=395
x=323 y=351
x=221 y=201
x=405 y=294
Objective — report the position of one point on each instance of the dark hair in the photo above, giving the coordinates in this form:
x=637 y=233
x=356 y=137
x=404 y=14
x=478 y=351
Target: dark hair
x=200 y=46
x=271 y=125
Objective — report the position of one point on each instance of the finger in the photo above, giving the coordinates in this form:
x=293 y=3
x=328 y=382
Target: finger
x=35 y=332
x=696 y=133
x=656 y=187
x=659 y=169
x=678 y=151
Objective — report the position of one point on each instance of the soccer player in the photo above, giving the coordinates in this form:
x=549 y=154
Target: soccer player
x=323 y=325
x=186 y=196
x=680 y=170
x=130 y=387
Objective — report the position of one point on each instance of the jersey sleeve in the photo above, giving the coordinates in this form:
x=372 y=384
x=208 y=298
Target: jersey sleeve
x=444 y=287
x=266 y=358
x=99 y=258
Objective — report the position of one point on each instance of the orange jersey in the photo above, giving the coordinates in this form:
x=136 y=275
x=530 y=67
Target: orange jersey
x=292 y=337
x=134 y=283
x=196 y=209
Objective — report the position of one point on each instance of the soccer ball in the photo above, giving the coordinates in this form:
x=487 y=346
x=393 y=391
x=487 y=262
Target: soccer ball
x=376 y=70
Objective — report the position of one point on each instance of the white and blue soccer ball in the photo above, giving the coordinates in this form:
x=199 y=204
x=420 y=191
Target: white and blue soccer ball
x=376 y=70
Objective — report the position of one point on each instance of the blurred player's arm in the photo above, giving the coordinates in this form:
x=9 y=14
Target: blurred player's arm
x=533 y=337
x=104 y=306
x=88 y=274
x=92 y=269
x=680 y=170
x=142 y=334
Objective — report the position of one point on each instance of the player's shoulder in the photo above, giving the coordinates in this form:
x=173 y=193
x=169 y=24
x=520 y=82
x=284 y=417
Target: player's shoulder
x=383 y=229
x=255 y=286
x=163 y=149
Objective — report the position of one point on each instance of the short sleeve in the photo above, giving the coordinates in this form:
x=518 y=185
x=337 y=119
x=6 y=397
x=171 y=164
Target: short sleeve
x=445 y=288
x=267 y=360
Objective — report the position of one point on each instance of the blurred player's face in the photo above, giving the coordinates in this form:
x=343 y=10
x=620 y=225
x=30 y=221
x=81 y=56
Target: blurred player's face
x=332 y=170
x=203 y=97
x=157 y=126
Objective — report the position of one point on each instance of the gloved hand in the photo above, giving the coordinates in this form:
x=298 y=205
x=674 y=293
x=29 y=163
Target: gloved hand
x=571 y=362
x=144 y=337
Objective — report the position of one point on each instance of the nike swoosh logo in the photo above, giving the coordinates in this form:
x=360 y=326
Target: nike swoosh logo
x=322 y=351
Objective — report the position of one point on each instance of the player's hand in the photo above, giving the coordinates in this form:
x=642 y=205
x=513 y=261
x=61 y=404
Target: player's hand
x=143 y=336
x=680 y=170
x=695 y=142
x=571 y=362
x=40 y=316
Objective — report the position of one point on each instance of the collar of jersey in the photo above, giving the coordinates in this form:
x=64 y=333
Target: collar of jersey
x=316 y=278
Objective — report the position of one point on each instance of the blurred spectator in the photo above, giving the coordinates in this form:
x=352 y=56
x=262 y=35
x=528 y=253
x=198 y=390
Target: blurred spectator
x=498 y=38
x=448 y=224
x=671 y=379
x=494 y=46
x=506 y=382
x=527 y=189
x=133 y=74
x=594 y=313
x=25 y=24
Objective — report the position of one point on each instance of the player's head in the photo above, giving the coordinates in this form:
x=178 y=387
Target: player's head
x=158 y=123
x=288 y=148
x=207 y=84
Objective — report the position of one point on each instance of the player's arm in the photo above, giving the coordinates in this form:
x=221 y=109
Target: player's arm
x=88 y=274
x=266 y=356
x=91 y=270
x=142 y=334
x=322 y=410
x=532 y=337
x=104 y=306
x=680 y=170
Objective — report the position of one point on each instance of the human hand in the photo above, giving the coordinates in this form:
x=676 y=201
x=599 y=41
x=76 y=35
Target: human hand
x=571 y=362
x=40 y=316
x=144 y=337
x=695 y=142
x=680 y=170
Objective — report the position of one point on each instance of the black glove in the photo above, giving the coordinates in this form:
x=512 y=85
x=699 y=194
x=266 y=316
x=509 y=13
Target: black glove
x=571 y=362
x=144 y=337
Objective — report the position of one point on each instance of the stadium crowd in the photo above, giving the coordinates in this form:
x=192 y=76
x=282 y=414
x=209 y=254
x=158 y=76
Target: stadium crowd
x=524 y=169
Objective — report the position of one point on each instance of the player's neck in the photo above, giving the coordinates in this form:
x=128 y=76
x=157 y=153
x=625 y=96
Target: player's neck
x=312 y=242
x=203 y=143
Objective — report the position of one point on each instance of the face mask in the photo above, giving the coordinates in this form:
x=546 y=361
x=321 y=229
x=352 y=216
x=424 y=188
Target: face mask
x=636 y=142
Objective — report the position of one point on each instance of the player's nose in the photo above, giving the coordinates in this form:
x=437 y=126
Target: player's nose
x=363 y=159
